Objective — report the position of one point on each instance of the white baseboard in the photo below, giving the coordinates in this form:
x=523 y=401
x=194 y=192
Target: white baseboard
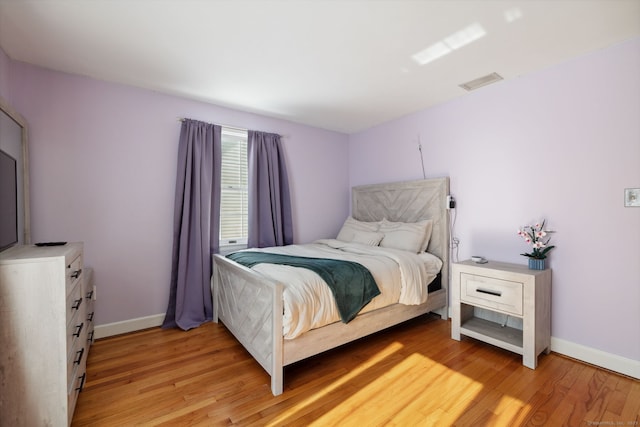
x=596 y=357
x=590 y=355
x=132 y=325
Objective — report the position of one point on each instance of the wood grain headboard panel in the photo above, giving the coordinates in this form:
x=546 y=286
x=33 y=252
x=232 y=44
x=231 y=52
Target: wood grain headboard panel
x=409 y=201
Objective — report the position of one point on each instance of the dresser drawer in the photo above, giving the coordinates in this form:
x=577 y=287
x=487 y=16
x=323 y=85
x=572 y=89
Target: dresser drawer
x=492 y=293
x=75 y=332
x=75 y=302
x=89 y=320
x=76 y=344
x=73 y=272
x=75 y=386
x=76 y=360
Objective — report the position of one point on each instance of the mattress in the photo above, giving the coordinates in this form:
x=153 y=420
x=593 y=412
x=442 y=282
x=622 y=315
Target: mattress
x=402 y=277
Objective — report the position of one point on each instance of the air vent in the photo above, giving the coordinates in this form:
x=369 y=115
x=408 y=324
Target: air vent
x=482 y=81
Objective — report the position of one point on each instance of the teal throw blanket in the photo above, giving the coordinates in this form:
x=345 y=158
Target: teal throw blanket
x=352 y=285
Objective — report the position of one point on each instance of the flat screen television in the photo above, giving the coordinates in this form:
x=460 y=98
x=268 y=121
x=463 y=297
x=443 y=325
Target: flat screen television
x=8 y=201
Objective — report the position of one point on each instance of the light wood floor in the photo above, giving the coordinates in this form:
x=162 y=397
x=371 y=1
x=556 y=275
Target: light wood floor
x=410 y=375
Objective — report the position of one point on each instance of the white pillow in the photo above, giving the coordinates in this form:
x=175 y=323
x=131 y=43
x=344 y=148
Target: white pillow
x=352 y=226
x=411 y=237
x=370 y=238
x=427 y=234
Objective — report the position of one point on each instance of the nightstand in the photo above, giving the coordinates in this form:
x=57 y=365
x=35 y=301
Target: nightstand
x=485 y=296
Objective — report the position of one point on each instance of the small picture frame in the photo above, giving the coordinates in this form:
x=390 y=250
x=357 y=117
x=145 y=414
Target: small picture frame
x=632 y=197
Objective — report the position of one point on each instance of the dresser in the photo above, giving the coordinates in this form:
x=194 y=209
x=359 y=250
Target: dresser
x=46 y=324
x=507 y=305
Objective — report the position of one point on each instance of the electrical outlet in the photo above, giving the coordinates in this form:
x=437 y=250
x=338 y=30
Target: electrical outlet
x=451 y=202
x=632 y=197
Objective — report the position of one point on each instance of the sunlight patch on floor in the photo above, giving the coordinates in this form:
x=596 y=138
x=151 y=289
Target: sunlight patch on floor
x=342 y=381
x=511 y=409
x=395 y=387
x=397 y=395
x=480 y=400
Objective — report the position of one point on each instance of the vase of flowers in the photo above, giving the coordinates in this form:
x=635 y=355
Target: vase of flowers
x=538 y=238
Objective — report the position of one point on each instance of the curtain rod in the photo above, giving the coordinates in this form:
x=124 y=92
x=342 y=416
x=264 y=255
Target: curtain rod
x=182 y=119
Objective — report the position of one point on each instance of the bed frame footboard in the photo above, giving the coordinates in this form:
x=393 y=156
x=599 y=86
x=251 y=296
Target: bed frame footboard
x=250 y=306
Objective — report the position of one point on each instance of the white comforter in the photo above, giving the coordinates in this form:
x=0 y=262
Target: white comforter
x=402 y=277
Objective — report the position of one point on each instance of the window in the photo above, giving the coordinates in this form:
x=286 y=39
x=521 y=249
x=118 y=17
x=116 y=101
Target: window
x=233 y=197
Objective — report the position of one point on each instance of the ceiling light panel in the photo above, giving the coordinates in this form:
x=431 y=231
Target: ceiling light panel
x=450 y=43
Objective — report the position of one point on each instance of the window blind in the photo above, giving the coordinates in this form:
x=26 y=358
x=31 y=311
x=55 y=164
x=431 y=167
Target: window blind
x=233 y=202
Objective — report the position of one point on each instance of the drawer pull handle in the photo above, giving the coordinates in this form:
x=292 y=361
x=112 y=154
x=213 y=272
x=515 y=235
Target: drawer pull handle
x=90 y=295
x=82 y=380
x=79 y=354
x=90 y=337
x=76 y=304
x=76 y=274
x=489 y=292
x=78 y=329
x=90 y=317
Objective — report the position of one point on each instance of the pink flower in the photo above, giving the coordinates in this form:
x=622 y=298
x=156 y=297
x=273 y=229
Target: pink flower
x=537 y=237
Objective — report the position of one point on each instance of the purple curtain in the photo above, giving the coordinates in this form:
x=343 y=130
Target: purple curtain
x=270 y=221
x=195 y=224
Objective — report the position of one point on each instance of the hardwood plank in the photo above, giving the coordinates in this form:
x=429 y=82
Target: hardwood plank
x=412 y=374
x=631 y=408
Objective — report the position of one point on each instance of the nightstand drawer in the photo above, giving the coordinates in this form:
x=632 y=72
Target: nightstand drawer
x=492 y=293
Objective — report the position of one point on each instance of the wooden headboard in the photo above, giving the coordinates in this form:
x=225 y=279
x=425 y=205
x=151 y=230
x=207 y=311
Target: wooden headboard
x=409 y=201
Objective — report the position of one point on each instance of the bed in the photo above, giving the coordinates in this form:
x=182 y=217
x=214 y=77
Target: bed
x=251 y=306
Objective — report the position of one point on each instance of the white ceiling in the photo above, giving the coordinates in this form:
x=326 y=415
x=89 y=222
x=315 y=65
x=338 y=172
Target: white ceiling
x=340 y=65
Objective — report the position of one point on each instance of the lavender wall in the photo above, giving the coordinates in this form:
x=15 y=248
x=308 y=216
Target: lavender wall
x=560 y=144
x=4 y=76
x=103 y=162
